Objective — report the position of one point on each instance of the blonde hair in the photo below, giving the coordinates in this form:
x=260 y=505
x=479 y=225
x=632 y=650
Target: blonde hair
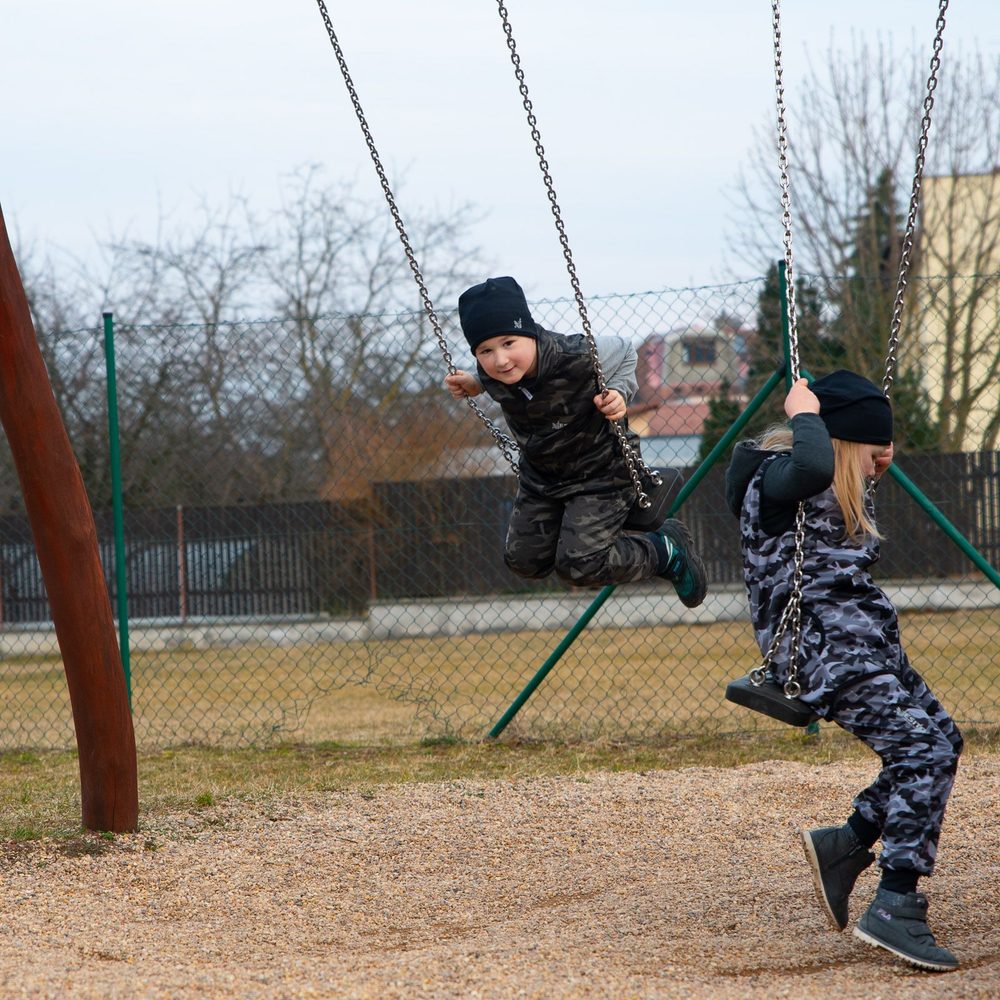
x=850 y=486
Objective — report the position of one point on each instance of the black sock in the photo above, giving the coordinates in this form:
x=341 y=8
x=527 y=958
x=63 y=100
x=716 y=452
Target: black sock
x=866 y=832
x=899 y=880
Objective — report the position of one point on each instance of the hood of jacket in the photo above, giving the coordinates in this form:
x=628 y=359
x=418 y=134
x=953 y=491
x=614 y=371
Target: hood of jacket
x=744 y=465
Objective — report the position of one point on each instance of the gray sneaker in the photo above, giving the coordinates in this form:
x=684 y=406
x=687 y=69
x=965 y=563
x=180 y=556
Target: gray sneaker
x=898 y=922
x=836 y=858
x=685 y=570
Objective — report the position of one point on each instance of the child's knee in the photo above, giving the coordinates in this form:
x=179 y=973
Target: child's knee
x=587 y=572
x=528 y=568
x=941 y=757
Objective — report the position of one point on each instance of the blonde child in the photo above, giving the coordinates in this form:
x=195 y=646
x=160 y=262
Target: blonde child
x=851 y=663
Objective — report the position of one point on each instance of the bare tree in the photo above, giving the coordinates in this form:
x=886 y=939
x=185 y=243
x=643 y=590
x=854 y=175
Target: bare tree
x=854 y=121
x=359 y=341
x=216 y=409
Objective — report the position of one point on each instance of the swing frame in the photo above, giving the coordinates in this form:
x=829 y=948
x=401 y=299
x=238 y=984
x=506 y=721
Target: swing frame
x=645 y=506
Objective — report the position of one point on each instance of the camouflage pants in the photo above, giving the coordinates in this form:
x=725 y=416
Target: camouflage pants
x=919 y=744
x=579 y=536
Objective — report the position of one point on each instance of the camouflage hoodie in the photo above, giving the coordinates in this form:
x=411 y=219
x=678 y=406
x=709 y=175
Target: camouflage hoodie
x=849 y=626
x=563 y=438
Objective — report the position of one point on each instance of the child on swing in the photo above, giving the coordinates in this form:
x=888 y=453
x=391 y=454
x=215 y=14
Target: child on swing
x=574 y=491
x=851 y=665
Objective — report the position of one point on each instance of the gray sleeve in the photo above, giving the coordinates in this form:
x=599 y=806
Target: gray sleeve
x=618 y=362
x=801 y=473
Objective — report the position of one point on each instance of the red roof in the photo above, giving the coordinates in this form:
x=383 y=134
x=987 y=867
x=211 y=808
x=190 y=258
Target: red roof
x=677 y=418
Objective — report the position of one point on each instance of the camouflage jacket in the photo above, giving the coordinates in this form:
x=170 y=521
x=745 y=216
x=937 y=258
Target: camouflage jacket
x=563 y=438
x=849 y=626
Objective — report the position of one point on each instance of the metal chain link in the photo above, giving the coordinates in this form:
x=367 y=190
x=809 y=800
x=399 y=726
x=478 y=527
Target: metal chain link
x=786 y=195
x=506 y=444
x=633 y=462
x=911 y=218
x=792 y=615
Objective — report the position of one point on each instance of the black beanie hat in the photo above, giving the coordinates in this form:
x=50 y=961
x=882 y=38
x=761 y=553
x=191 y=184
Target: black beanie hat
x=495 y=307
x=853 y=408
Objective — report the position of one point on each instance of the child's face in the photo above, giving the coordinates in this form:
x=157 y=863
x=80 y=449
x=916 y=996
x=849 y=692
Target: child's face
x=509 y=357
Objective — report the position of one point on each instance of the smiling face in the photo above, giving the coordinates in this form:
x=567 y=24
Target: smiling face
x=509 y=357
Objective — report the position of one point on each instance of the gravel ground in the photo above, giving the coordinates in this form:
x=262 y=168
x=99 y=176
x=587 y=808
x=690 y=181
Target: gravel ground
x=685 y=883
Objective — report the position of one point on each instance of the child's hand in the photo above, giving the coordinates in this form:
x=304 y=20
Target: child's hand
x=883 y=461
x=461 y=384
x=801 y=399
x=611 y=405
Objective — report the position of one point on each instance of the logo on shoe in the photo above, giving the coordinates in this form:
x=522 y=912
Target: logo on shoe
x=883 y=914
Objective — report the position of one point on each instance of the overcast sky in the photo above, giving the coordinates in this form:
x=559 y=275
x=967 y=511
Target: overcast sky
x=117 y=112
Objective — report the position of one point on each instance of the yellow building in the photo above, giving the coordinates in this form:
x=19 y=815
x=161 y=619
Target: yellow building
x=952 y=331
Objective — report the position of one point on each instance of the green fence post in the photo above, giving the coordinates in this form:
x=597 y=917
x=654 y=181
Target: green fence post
x=943 y=523
x=696 y=477
x=117 y=504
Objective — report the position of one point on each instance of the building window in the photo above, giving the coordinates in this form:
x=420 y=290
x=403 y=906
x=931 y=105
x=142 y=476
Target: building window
x=699 y=352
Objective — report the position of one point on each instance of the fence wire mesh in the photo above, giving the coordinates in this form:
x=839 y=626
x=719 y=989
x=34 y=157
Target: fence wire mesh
x=314 y=529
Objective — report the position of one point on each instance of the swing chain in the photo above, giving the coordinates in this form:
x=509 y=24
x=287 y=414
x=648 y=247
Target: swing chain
x=911 y=218
x=506 y=444
x=786 y=195
x=792 y=615
x=633 y=462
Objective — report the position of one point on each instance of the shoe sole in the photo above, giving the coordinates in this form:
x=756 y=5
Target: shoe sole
x=810 y=852
x=679 y=529
x=921 y=963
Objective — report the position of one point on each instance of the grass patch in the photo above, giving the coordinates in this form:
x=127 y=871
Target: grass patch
x=40 y=793
x=648 y=683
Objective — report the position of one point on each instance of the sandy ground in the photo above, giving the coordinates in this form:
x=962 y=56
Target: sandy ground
x=683 y=883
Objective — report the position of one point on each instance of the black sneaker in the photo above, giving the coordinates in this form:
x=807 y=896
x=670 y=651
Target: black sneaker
x=898 y=922
x=837 y=858
x=685 y=569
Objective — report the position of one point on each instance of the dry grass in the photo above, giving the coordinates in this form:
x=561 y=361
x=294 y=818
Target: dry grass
x=645 y=683
x=40 y=794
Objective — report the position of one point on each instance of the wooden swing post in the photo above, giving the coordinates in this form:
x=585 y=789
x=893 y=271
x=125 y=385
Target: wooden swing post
x=62 y=524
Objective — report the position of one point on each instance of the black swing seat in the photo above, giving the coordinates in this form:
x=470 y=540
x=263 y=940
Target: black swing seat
x=769 y=699
x=650 y=518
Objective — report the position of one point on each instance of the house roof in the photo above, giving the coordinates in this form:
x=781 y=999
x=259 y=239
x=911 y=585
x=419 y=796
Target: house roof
x=671 y=419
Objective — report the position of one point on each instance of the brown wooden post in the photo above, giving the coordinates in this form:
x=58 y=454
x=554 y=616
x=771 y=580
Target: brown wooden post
x=62 y=524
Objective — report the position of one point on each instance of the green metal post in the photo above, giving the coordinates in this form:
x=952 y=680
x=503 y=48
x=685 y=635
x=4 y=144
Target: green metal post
x=943 y=523
x=696 y=477
x=553 y=659
x=117 y=504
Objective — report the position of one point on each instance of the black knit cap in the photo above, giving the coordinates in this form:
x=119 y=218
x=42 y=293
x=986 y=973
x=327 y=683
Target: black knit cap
x=853 y=408
x=495 y=307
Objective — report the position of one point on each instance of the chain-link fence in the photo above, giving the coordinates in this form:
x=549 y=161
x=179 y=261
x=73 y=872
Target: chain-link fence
x=314 y=529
